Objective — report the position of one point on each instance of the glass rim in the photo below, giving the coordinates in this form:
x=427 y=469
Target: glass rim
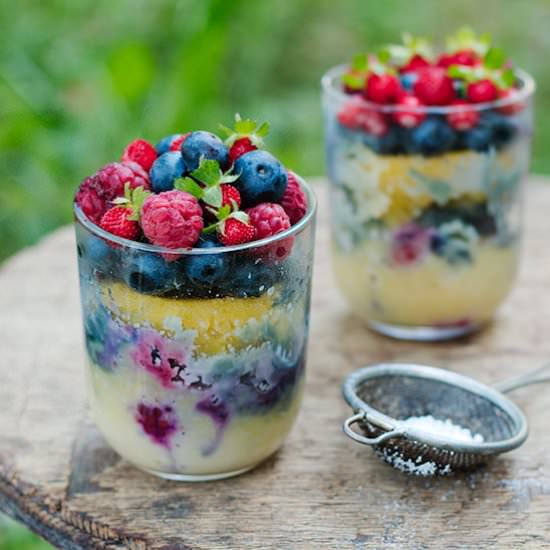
x=328 y=84
x=146 y=247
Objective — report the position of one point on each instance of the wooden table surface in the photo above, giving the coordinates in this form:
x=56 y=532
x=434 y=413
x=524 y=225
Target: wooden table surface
x=321 y=490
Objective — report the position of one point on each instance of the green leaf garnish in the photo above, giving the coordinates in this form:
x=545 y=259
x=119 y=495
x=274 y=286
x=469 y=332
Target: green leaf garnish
x=354 y=81
x=133 y=200
x=189 y=186
x=465 y=38
x=208 y=172
x=245 y=128
x=224 y=212
x=401 y=54
x=213 y=196
x=360 y=62
x=494 y=58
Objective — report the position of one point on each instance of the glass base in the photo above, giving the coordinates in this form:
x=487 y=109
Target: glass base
x=423 y=333
x=199 y=477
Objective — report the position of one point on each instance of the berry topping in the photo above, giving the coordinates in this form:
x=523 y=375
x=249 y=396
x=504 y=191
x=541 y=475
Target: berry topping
x=357 y=115
x=171 y=143
x=410 y=244
x=122 y=220
x=409 y=114
x=158 y=423
x=203 y=145
x=150 y=273
x=514 y=105
x=230 y=196
x=464 y=118
x=114 y=176
x=462 y=57
x=91 y=198
x=415 y=63
x=383 y=88
x=172 y=219
x=166 y=169
x=481 y=91
x=246 y=135
x=432 y=137
x=434 y=86
x=207 y=270
x=117 y=221
x=140 y=151
x=236 y=230
x=268 y=219
x=262 y=178
x=294 y=200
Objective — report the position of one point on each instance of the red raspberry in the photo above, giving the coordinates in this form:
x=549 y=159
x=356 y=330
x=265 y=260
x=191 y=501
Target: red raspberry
x=230 y=196
x=141 y=152
x=409 y=118
x=234 y=231
x=239 y=148
x=116 y=221
x=382 y=88
x=269 y=219
x=91 y=199
x=294 y=200
x=114 y=176
x=434 y=87
x=415 y=62
x=481 y=91
x=465 y=118
x=178 y=142
x=511 y=108
x=355 y=114
x=172 y=219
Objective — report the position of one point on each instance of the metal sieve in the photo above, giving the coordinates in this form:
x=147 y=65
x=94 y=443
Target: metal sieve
x=383 y=396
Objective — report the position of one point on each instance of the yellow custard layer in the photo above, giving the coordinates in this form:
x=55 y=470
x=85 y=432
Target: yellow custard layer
x=430 y=292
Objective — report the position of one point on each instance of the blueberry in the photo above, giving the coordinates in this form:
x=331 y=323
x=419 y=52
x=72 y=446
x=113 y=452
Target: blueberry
x=207 y=270
x=478 y=138
x=503 y=129
x=163 y=146
x=408 y=80
x=165 y=170
x=100 y=255
x=262 y=178
x=204 y=144
x=433 y=137
x=391 y=143
x=250 y=278
x=150 y=273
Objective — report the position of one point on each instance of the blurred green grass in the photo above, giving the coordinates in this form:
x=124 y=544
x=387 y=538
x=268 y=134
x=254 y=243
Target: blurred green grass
x=80 y=79
x=14 y=537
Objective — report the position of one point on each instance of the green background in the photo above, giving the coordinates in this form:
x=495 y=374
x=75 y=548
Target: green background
x=79 y=79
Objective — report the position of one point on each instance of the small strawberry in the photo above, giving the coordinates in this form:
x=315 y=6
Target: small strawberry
x=117 y=221
x=294 y=200
x=230 y=196
x=178 y=142
x=122 y=219
x=141 y=152
x=415 y=63
x=239 y=148
x=382 y=88
x=434 y=86
x=233 y=230
x=512 y=105
x=464 y=57
x=247 y=135
x=353 y=80
x=409 y=112
x=481 y=91
x=357 y=115
x=464 y=117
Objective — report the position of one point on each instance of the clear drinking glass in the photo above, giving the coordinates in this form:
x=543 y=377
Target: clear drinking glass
x=196 y=382
x=426 y=221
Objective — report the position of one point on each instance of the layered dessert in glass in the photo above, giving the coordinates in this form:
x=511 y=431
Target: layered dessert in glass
x=426 y=156
x=195 y=261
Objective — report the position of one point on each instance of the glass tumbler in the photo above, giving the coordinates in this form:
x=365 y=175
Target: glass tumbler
x=196 y=357
x=426 y=220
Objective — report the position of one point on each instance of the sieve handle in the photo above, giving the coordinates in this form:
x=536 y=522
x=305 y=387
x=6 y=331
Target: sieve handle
x=365 y=417
x=537 y=376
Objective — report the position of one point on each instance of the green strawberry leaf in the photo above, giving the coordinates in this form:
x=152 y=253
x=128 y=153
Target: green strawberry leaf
x=360 y=62
x=241 y=216
x=461 y=71
x=506 y=79
x=224 y=212
x=228 y=132
x=208 y=172
x=494 y=58
x=210 y=228
x=245 y=128
x=263 y=129
x=213 y=196
x=353 y=81
x=121 y=201
x=465 y=38
x=189 y=186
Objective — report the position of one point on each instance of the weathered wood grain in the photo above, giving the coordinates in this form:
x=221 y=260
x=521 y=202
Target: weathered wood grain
x=321 y=490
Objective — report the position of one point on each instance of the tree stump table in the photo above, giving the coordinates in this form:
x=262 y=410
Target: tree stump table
x=58 y=476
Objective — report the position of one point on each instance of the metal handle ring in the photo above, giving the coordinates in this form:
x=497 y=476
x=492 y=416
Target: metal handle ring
x=367 y=440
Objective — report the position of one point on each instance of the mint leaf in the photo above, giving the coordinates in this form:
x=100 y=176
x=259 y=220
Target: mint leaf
x=190 y=186
x=213 y=196
x=208 y=172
